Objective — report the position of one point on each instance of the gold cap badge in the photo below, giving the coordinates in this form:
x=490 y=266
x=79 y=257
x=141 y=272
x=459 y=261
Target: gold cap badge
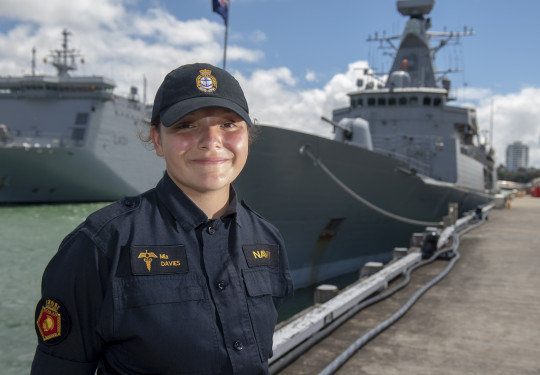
x=206 y=82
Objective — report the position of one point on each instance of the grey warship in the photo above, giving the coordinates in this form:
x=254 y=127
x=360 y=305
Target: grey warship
x=401 y=153
x=67 y=138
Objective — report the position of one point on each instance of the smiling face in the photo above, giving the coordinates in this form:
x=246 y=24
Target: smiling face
x=205 y=151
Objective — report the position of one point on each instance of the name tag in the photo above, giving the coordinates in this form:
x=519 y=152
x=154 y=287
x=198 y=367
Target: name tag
x=261 y=255
x=158 y=260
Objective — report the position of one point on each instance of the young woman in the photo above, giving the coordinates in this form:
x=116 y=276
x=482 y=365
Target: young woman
x=183 y=279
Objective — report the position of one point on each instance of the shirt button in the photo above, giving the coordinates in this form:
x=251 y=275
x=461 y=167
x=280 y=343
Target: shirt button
x=238 y=346
x=211 y=230
x=222 y=285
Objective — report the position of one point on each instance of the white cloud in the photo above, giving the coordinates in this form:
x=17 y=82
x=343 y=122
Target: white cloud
x=516 y=117
x=83 y=14
x=275 y=99
x=311 y=76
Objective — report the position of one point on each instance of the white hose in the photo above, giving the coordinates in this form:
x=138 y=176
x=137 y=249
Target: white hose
x=353 y=348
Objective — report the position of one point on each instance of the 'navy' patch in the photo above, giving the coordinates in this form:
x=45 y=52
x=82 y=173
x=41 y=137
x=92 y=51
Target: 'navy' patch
x=261 y=255
x=158 y=260
x=52 y=321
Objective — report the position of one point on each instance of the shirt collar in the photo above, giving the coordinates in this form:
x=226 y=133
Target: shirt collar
x=187 y=213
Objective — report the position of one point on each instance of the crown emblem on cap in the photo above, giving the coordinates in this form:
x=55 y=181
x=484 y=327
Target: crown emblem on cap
x=206 y=82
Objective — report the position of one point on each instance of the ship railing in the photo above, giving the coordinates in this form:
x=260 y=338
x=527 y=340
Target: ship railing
x=39 y=139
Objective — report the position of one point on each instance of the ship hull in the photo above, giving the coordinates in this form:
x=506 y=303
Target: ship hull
x=327 y=231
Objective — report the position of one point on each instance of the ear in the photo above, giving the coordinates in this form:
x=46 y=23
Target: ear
x=156 y=140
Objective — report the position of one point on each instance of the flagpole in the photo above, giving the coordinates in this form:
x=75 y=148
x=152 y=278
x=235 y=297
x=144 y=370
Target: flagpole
x=222 y=7
x=225 y=45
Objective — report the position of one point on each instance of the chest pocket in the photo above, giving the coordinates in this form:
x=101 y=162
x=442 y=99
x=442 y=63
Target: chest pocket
x=164 y=323
x=265 y=288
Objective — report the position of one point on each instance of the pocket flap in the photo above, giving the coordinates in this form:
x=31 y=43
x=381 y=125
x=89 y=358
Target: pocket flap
x=149 y=290
x=262 y=281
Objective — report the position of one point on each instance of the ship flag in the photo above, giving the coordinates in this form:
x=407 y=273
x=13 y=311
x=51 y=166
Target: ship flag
x=222 y=7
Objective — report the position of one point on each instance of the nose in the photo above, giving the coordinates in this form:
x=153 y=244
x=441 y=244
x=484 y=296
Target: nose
x=210 y=137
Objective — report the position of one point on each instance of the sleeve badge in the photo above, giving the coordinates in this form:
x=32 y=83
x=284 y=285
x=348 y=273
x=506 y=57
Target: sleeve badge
x=52 y=321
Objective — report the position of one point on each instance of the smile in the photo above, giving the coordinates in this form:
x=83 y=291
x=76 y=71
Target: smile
x=210 y=161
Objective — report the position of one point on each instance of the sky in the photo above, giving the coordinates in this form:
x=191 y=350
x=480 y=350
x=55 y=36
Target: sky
x=295 y=59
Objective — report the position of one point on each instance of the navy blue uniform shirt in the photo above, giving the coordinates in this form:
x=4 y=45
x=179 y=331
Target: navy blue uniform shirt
x=150 y=285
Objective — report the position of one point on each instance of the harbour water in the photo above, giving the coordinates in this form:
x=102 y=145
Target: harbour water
x=29 y=237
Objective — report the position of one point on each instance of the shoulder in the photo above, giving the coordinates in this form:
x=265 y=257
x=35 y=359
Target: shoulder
x=116 y=217
x=115 y=211
x=256 y=222
x=253 y=215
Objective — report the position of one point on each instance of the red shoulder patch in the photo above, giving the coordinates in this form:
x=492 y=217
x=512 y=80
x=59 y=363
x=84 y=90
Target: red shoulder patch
x=52 y=321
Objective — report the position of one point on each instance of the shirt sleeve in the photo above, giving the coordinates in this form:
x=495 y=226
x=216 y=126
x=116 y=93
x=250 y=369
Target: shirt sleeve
x=67 y=315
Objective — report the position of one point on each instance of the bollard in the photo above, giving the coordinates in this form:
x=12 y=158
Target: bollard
x=325 y=293
x=429 y=247
x=417 y=239
x=399 y=252
x=499 y=201
x=447 y=221
x=370 y=268
x=453 y=210
x=478 y=213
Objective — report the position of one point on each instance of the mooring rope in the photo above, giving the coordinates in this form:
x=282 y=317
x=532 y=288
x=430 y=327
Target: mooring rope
x=304 y=151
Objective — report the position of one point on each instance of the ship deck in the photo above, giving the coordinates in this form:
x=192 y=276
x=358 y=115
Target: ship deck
x=482 y=318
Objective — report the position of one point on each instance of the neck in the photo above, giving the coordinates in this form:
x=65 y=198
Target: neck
x=213 y=204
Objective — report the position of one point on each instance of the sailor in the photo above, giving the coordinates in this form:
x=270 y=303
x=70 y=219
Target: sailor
x=182 y=279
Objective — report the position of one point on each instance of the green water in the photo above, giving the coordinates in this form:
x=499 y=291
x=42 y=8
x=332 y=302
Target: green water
x=29 y=237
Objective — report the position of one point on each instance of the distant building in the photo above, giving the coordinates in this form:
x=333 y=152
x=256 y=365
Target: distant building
x=517 y=156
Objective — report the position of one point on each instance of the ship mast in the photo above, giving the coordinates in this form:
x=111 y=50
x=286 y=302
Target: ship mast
x=415 y=56
x=64 y=59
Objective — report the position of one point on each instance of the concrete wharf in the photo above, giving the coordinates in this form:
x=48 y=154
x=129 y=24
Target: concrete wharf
x=482 y=318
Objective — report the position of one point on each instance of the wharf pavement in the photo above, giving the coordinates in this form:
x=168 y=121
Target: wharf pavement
x=482 y=318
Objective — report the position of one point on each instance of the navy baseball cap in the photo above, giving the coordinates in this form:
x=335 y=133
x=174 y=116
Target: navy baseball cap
x=196 y=86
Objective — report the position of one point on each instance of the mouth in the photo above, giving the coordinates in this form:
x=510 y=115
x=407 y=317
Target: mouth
x=210 y=161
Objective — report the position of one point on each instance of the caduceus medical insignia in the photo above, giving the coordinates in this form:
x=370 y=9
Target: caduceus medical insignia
x=148 y=258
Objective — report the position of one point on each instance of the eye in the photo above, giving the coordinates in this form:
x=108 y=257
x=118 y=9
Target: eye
x=229 y=124
x=183 y=125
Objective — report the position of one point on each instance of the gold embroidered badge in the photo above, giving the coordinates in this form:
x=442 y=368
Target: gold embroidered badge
x=49 y=321
x=147 y=257
x=261 y=254
x=206 y=82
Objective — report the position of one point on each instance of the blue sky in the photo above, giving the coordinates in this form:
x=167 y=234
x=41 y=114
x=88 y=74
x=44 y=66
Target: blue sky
x=296 y=59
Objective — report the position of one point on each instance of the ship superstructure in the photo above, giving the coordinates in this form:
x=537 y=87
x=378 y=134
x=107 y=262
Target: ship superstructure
x=409 y=116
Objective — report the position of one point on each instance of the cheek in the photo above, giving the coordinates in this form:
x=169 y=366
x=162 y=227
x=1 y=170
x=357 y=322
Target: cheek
x=238 y=143
x=178 y=145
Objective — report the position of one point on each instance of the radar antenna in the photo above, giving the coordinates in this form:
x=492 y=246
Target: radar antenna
x=64 y=59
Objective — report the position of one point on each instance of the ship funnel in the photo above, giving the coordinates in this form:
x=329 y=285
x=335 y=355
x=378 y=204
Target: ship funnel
x=415 y=8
